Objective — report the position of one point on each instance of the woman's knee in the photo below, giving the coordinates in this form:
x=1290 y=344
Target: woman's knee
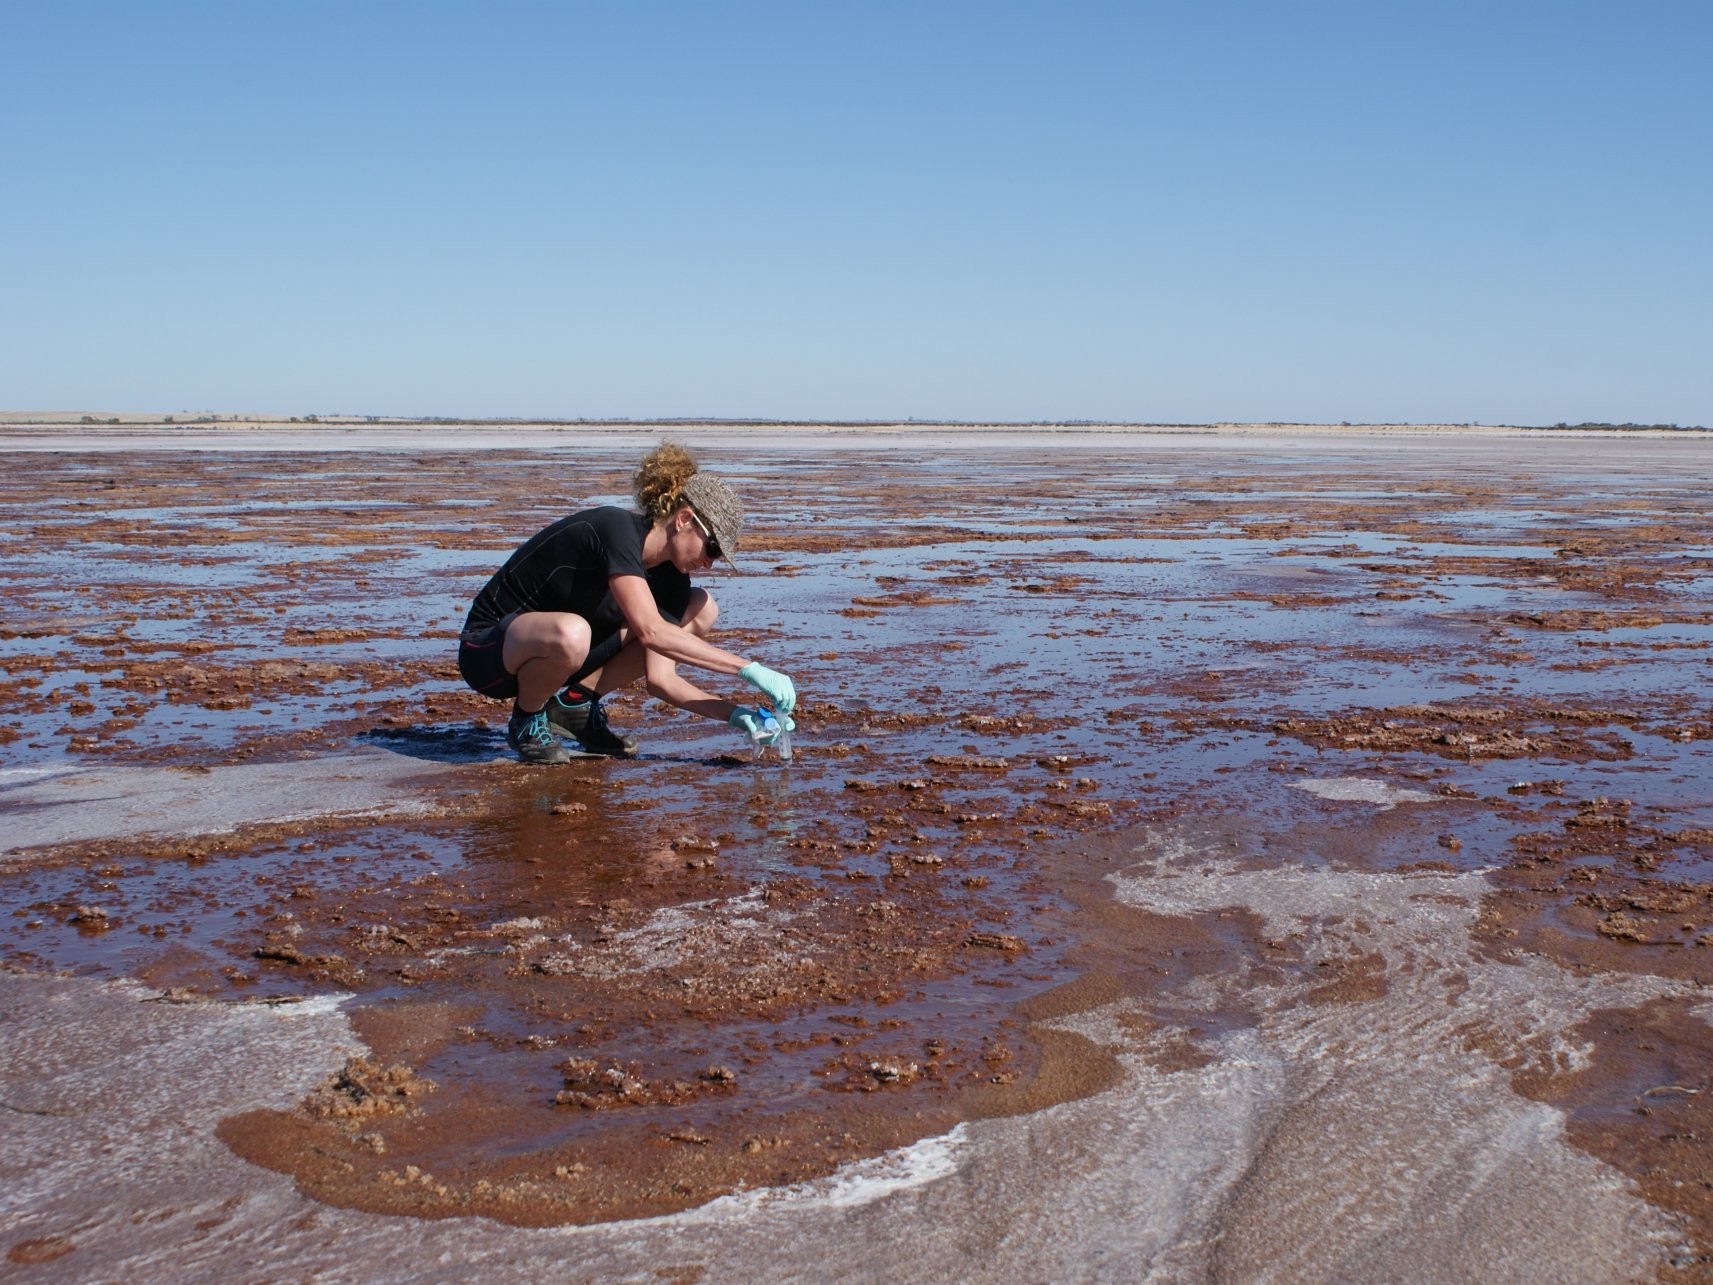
x=701 y=613
x=559 y=637
x=571 y=639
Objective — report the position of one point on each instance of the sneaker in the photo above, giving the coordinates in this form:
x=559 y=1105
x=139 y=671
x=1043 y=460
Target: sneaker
x=533 y=739
x=587 y=721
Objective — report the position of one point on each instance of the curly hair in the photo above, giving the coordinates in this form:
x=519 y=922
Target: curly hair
x=660 y=478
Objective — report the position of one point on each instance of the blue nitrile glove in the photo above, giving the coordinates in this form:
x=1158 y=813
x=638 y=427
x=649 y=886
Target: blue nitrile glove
x=775 y=686
x=753 y=724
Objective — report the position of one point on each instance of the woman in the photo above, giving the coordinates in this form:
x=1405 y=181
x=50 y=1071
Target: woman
x=603 y=598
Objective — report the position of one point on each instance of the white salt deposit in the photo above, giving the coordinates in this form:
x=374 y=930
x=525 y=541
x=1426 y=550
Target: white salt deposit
x=54 y=805
x=1371 y=1137
x=1356 y=789
x=731 y=928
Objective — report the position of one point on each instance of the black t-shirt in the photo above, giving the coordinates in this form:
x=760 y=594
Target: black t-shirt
x=565 y=567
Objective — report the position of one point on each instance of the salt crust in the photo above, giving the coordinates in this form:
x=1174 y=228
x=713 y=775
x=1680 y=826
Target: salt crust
x=1323 y=1140
x=53 y=804
x=1356 y=789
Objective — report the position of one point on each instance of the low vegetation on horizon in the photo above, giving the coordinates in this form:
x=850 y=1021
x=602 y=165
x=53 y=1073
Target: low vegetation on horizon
x=335 y=420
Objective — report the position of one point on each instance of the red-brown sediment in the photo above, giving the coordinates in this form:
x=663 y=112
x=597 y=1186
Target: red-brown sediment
x=635 y=986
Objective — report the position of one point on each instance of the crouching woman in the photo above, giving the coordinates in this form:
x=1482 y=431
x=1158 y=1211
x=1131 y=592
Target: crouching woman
x=603 y=598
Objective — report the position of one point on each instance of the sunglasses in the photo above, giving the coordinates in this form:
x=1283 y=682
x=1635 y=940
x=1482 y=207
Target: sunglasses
x=710 y=542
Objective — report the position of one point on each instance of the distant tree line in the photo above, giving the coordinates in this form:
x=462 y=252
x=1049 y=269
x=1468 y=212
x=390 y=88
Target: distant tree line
x=1628 y=427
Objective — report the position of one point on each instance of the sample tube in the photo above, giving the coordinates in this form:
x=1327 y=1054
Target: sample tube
x=770 y=731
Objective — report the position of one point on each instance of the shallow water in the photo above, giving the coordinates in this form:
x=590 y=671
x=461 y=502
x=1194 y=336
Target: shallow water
x=1324 y=792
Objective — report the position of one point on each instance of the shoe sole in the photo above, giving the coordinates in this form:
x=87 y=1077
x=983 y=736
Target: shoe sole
x=619 y=750
x=545 y=760
x=585 y=752
x=571 y=752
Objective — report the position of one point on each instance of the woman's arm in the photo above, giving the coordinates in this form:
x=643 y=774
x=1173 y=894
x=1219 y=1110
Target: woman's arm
x=661 y=637
x=665 y=683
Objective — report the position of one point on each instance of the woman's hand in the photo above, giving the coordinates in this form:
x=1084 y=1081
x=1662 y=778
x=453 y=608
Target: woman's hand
x=775 y=686
x=753 y=724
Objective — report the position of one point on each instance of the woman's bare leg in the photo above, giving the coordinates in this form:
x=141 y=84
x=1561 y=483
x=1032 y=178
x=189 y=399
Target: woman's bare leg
x=544 y=648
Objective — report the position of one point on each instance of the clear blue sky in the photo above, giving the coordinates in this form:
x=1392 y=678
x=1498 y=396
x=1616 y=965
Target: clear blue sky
x=1181 y=211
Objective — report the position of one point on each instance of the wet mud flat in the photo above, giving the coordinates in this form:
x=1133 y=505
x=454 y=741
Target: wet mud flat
x=1306 y=844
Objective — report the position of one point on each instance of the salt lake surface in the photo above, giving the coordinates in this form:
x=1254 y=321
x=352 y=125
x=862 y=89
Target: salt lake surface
x=1206 y=857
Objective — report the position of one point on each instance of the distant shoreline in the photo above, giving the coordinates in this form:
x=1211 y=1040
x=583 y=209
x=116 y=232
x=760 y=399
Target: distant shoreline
x=107 y=425
x=23 y=434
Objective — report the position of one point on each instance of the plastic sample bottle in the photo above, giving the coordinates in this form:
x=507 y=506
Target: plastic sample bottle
x=774 y=733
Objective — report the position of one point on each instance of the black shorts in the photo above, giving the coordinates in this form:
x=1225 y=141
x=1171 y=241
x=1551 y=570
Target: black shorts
x=481 y=658
x=481 y=663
